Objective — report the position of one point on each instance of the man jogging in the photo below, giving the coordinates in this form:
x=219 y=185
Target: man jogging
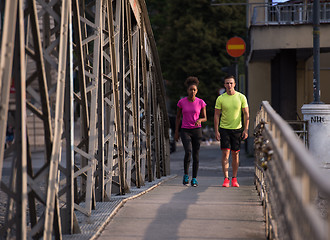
x=230 y=105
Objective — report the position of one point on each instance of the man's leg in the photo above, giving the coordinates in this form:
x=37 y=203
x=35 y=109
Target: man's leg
x=225 y=166
x=235 y=162
x=236 y=145
x=225 y=162
x=225 y=147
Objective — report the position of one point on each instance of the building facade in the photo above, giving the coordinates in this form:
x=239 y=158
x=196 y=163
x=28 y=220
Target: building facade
x=280 y=55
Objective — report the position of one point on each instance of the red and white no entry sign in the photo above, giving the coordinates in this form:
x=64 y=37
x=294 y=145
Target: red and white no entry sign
x=235 y=47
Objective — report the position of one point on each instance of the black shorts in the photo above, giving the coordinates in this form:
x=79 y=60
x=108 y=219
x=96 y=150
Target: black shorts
x=230 y=139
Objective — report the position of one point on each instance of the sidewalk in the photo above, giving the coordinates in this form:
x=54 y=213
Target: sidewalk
x=92 y=226
x=173 y=211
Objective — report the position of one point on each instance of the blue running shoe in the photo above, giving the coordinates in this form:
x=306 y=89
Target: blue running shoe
x=185 y=179
x=194 y=182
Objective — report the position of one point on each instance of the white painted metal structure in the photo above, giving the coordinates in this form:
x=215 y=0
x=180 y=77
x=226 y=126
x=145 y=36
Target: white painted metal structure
x=91 y=64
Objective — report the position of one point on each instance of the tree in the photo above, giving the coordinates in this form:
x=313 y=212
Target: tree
x=191 y=38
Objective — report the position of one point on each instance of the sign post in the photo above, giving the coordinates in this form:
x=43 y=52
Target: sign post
x=235 y=48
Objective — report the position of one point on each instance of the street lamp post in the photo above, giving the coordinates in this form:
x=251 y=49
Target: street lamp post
x=317 y=114
x=316 y=51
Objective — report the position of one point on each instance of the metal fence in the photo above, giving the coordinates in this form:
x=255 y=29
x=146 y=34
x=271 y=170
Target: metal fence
x=301 y=129
x=283 y=14
x=294 y=192
x=88 y=70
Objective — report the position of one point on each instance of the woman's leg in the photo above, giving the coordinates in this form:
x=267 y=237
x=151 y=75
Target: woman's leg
x=186 y=141
x=196 y=143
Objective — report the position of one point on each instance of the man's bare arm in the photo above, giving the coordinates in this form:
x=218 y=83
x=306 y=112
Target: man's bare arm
x=217 y=113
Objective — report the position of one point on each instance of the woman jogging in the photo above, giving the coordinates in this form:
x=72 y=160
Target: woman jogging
x=193 y=113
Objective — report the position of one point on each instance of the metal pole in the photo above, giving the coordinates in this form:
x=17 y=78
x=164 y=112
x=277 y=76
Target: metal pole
x=133 y=96
x=100 y=120
x=316 y=51
x=52 y=215
x=120 y=121
x=68 y=216
x=146 y=102
x=236 y=74
x=20 y=134
x=6 y=64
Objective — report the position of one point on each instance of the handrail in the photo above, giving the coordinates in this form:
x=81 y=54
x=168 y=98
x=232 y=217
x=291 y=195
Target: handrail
x=286 y=14
x=300 y=128
x=291 y=178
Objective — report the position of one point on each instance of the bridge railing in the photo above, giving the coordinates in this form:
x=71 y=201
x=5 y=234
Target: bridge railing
x=300 y=128
x=293 y=189
x=89 y=72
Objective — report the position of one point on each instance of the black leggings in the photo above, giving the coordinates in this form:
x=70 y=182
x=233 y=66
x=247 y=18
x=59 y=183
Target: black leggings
x=191 y=140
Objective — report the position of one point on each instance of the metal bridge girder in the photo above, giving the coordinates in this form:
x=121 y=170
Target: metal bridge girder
x=89 y=65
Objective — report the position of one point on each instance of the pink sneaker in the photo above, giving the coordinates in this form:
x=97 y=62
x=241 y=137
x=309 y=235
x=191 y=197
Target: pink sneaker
x=226 y=182
x=234 y=182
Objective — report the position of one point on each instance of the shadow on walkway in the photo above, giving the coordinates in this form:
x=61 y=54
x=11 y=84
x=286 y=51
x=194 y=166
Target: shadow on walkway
x=170 y=220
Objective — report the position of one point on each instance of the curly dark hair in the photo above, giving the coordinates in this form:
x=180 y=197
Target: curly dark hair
x=191 y=81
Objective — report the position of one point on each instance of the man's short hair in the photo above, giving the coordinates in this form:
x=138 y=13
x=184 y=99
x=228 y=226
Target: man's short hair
x=228 y=77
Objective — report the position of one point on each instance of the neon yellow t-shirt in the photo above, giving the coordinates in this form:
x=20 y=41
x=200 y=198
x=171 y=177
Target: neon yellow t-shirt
x=231 y=110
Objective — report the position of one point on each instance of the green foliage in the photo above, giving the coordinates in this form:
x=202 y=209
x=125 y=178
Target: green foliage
x=191 y=38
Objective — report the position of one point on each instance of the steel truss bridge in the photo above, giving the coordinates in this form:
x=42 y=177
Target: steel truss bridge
x=88 y=70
